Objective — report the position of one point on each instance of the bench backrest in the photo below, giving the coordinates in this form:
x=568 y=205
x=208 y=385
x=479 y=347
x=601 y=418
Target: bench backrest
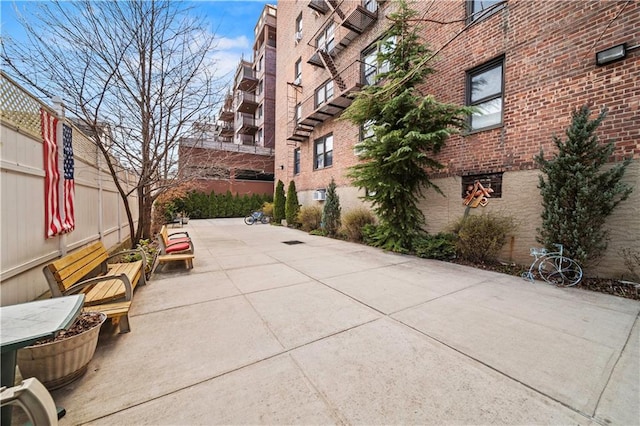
x=164 y=234
x=72 y=268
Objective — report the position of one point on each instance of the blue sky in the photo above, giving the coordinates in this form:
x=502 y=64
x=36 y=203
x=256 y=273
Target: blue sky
x=232 y=21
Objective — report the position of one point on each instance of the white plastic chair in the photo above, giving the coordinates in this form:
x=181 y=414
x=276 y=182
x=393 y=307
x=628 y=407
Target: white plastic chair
x=34 y=399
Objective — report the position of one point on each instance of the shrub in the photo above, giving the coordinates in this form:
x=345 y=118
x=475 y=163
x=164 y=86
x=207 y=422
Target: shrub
x=267 y=208
x=292 y=207
x=309 y=218
x=353 y=221
x=279 y=203
x=481 y=237
x=331 y=210
x=441 y=246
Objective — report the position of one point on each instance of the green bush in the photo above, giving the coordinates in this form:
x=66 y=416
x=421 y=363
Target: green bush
x=292 y=206
x=279 y=203
x=481 y=237
x=309 y=218
x=331 y=210
x=353 y=221
x=441 y=246
x=198 y=205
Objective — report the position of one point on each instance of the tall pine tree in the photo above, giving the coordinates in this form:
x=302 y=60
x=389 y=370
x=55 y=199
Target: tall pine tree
x=577 y=193
x=279 y=203
x=331 y=211
x=292 y=206
x=406 y=130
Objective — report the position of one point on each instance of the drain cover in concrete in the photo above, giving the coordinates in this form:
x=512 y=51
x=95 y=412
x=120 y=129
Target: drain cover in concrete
x=293 y=242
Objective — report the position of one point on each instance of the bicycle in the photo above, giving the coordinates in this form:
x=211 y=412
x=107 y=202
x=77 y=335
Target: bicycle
x=554 y=267
x=256 y=217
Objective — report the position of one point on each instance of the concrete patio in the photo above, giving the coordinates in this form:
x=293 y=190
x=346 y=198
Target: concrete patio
x=330 y=332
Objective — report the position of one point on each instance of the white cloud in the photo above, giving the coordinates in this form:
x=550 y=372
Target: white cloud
x=225 y=43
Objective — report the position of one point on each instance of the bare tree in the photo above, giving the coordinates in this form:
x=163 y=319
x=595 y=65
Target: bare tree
x=145 y=67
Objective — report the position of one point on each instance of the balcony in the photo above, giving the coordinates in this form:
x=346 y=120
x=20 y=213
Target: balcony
x=345 y=84
x=319 y=6
x=225 y=129
x=246 y=102
x=246 y=80
x=226 y=114
x=246 y=124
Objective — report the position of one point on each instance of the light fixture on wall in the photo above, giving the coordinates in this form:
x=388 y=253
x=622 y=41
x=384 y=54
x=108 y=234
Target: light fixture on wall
x=281 y=167
x=611 y=54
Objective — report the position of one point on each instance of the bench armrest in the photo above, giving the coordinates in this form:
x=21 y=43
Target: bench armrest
x=185 y=233
x=128 y=289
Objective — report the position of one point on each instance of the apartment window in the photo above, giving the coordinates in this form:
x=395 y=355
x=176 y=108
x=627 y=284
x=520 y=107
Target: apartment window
x=324 y=93
x=298 y=113
x=326 y=39
x=480 y=9
x=298 y=72
x=299 y=23
x=374 y=62
x=296 y=161
x=259 y=88
x=485 y=86
x=370 y=5
x=259 y=112
x=259 y=137
x=259 y=64
x=323 y=153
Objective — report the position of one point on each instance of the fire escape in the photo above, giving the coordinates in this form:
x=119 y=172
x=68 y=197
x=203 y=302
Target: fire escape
x=345 y=21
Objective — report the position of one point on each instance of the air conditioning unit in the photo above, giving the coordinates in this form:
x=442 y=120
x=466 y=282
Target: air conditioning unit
x=319 y=195
x=298 y=36
x=297 y=81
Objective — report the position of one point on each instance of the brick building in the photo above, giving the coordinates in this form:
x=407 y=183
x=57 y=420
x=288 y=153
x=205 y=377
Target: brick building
x=534 y=61
x=238 y=155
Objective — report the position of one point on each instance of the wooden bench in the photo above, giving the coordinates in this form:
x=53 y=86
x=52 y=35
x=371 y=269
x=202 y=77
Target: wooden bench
x=179 y=257
x=107 y=286
x=173 y=243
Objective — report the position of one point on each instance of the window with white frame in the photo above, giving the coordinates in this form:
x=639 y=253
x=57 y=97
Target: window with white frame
x=373 y=63
x=326 y=40
x=324 y=93
x=259 y=88
x=298 y=72
x=480 y=9
x=299 y=23
x=323 y=152
x=296 y=161
x=370 y=5
x=366 y=132
x=259 y=112
x=298 y=113
x=485 y=86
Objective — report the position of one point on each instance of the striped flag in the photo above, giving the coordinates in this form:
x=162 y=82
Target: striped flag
x=59 y=217
x=52 y=220
x=69 y=184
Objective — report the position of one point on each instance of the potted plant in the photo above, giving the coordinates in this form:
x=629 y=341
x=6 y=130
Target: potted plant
x=59 y=361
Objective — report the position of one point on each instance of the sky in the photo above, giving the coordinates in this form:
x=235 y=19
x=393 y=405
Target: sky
x=232 y=21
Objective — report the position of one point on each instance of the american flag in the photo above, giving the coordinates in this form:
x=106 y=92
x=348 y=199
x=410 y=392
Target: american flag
x=69 y=184
x=52 y=220
x=54 y=223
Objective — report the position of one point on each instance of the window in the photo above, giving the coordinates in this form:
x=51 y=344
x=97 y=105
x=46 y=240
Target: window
x=366 y=132
x=298 y=113
x=296 y=161
x=299 y=23
x=259 y=88
x=480 y=9
x=484 y=91
x=373 y=62
x=324 y=93
x=323 y=154
x=298 y=72
x=259 y=64
x=325 y=40
x=370 y=5
x=259 y=137
x=259 y=112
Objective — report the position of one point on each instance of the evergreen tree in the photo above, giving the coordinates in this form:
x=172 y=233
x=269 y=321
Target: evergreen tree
x=331 y=210
x=577 y=195
x=292 y=207
x=279 y=203
x=406 y=130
